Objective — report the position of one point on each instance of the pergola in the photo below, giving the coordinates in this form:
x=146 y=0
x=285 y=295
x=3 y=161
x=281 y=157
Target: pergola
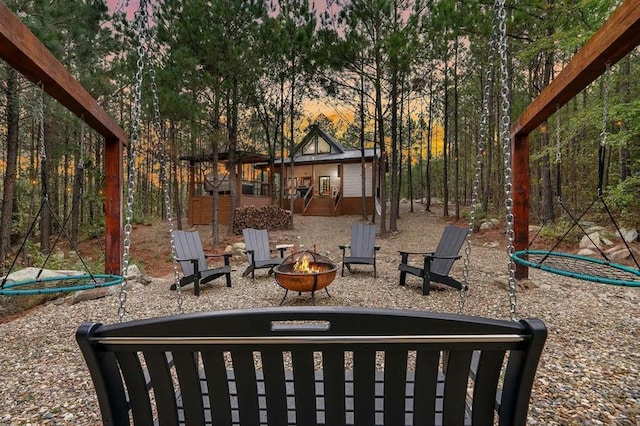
x=25 y=53
x=613 y=41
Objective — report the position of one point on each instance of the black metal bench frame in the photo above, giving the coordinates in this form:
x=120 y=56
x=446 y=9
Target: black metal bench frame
x=319 y=365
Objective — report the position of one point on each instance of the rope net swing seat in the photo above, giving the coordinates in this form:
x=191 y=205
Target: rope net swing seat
x=48 y=282
x=316 y=365
x=577 y=266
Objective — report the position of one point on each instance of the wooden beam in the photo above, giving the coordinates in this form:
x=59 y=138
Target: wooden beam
x=20 y=48
x=612 y=42
x=521 y=191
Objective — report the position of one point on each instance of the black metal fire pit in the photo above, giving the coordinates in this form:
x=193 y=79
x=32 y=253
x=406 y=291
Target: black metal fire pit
x=305 y=271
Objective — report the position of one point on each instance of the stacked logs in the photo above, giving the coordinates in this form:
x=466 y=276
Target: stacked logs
x=271 y=218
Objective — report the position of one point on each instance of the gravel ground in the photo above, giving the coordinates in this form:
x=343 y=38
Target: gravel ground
x=589 y=373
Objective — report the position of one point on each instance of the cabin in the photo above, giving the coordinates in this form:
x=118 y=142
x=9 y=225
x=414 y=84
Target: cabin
x=325 y=179
x=252 y=185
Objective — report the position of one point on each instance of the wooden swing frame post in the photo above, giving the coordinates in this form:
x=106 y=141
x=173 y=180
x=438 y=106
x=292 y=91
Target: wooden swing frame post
x=21 y=50
x=612 y=42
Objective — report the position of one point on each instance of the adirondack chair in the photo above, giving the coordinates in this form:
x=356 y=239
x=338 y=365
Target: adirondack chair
x=314 y=366
x=193 y=261
x=436 y=265
x=259 y=253
x=362 y=250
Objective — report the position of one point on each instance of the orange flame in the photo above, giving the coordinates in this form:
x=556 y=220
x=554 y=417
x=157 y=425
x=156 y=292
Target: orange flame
x=303 y=265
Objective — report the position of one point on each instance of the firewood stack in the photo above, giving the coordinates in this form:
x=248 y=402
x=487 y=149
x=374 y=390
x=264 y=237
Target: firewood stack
x=271 y=218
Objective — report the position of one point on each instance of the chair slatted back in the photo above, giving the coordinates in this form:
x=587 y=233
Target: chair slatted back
x=189 y=246
x=257 y=240
x=325 y=366
x=450 y=244
x=363 y=240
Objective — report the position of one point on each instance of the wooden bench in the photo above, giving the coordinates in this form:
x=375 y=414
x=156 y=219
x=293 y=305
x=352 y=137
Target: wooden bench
x=319 y=365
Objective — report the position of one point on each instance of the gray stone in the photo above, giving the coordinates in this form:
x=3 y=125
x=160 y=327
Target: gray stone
x=586 y=252
x=133 y=272
x=591 y=241
x=629 y=235
x=620 y=255
x=91 y=294
x=486 y=225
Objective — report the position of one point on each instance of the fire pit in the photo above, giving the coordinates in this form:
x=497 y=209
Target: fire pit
x=305 y=271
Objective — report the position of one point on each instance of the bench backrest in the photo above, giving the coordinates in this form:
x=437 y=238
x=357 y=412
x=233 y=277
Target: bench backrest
x=189 y=246
x=306 y=366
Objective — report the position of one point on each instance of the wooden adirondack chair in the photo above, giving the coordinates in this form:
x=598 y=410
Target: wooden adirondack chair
x=193 y=261
x=362 y=250
x=200 y=368
x=436 y=265
x=257 y=245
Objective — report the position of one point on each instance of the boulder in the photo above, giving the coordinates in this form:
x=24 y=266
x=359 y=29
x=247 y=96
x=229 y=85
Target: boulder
x=629 y=235
x=593 y=240
x=586 y=252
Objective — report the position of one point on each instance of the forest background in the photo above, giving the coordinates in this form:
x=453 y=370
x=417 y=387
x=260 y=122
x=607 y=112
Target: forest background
x=406 y=76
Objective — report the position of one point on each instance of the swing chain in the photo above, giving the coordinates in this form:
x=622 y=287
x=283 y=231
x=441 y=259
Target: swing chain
x=162 y=154
x=505 y=123
x=558 y=144
x=43 y=152
x=482 y=136
x=605 y=106
x=140 y=19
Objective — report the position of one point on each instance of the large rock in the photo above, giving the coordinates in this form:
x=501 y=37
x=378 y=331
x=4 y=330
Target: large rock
x=593 y=240
x=629 y=235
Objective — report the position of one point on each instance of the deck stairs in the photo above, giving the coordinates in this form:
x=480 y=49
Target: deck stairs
x=320 y=206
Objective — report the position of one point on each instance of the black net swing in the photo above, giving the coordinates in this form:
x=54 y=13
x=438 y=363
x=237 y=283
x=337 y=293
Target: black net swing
x=599 y=270
x=52 y=282
x=316 y=366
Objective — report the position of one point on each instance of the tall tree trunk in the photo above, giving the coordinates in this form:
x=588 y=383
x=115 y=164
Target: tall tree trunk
x=45 y=217
x=365 y=214
x=445 y=139
x=9 y=181
x=456 y=149
x=427 y=206
x=393 y=216
x=76 y=201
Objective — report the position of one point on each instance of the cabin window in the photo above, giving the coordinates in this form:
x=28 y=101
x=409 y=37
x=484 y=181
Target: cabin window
x=323 y=147
x=316 y=146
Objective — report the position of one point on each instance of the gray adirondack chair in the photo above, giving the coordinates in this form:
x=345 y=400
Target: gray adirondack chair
x=362 y=250
x=193 y=261
x=436 y=265
x=257 y=245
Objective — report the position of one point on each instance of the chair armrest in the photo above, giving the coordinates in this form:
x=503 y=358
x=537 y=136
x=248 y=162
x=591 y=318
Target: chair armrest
x=421 y=253
x=279 y=249
x=186 y=260
x=431 y=256
x=207 y=255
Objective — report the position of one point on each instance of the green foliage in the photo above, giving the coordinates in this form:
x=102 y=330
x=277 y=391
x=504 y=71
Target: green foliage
x=623 y=199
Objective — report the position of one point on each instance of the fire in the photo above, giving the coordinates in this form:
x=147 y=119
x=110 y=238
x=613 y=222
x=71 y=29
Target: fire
x=303 y=265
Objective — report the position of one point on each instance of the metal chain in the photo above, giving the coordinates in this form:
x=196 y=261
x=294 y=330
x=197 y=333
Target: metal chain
x=482 y=136
x=505 y=124
x=139 y=23
x=81 y=154
x=43 y=152
x=162 y=154
x=605 y=106
x=558 y=148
